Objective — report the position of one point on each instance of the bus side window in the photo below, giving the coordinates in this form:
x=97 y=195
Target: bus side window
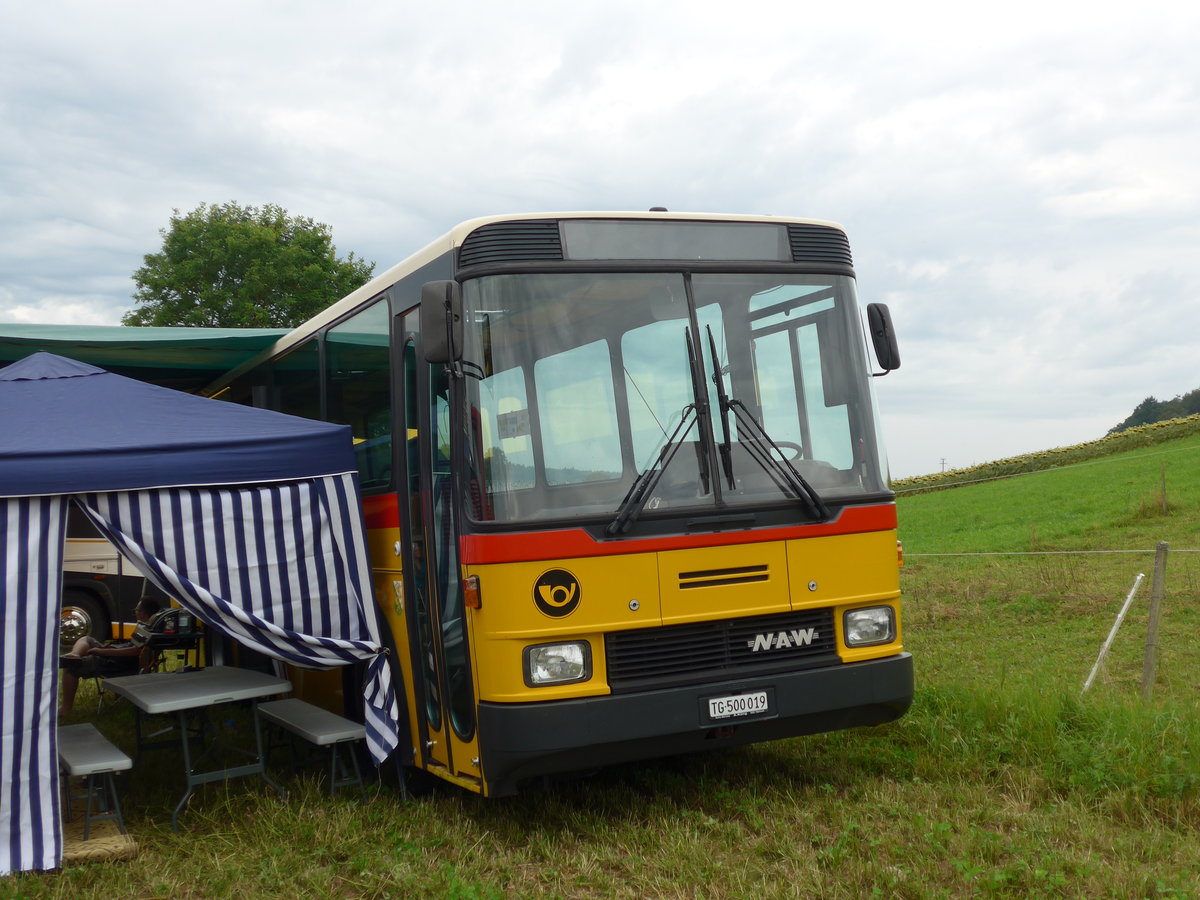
x=506 y=438
x=298 y=381
x=577 y=410
x=358 y=389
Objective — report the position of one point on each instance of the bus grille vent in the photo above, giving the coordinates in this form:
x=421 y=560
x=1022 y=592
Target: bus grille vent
x=651 y=658
x=820 y=244
x=511 y=242
x=717 y=577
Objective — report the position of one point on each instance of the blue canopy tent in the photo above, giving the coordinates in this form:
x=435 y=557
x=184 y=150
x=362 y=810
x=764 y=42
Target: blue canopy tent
x=249 y=518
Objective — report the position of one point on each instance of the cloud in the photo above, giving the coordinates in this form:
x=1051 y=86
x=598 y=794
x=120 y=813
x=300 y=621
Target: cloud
x=1018 y=182
x=76 y=309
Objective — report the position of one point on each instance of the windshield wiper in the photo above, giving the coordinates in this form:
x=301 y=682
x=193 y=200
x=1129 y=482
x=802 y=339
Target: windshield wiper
x=639 y=492
x=779 y=467
x=723 y=401
x=700 y=401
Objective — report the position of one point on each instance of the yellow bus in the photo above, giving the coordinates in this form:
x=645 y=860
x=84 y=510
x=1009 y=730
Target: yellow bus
x=623 y=483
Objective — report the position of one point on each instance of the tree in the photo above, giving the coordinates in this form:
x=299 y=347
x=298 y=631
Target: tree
x=1151 y=410
x=1144 y=413
x=228 y=266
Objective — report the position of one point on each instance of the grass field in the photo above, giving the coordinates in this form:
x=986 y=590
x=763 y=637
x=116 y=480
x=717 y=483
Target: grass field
x=1002 y=781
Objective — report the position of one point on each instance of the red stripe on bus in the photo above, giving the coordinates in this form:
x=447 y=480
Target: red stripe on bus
x=478 y=549
x=382 y=511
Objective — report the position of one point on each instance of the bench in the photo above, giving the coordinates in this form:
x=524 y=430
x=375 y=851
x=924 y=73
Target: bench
x=85 y=752
x=321 y=728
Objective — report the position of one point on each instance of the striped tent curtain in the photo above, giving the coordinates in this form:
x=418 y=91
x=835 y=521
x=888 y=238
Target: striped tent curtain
x=32 y=530
x=279 y=568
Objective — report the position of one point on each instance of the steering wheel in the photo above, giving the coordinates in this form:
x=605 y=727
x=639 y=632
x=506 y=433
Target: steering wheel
x=796 y=449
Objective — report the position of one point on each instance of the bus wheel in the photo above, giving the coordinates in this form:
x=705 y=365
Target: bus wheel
x=82 y=615
x=419 y=784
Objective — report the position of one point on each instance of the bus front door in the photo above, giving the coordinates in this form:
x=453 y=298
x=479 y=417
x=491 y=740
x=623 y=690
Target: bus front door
x=445 y=696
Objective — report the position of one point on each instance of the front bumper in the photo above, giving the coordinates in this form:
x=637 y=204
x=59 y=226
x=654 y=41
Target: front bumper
x=525 y=740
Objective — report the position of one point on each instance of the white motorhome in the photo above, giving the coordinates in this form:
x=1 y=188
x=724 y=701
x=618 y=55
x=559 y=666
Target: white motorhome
x=100 y=587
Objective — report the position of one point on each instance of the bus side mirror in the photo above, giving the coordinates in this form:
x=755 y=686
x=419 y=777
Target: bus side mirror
x=883 y=336
x=441 y=321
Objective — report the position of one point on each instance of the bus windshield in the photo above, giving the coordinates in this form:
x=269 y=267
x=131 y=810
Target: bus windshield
x=702 y=390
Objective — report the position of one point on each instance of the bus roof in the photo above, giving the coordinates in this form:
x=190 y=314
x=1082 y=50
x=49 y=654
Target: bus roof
x=454 y=238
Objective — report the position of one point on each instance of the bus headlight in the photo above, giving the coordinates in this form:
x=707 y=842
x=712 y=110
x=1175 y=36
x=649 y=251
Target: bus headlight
x=872 y=625
x=558 y=663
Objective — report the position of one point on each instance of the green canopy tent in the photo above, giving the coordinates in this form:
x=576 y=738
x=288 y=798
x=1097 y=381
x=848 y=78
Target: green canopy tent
x=185 y=359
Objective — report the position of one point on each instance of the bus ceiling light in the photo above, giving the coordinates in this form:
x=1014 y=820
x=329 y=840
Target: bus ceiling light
x=558 y=663
x=870 y=625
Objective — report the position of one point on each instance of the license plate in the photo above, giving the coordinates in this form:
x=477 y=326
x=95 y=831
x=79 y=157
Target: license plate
x=738 y=705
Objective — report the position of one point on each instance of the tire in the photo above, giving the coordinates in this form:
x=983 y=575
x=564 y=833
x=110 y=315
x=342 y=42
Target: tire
x=419 y=784
x=83 y=614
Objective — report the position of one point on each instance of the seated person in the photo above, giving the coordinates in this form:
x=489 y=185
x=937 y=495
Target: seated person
x=89 y=658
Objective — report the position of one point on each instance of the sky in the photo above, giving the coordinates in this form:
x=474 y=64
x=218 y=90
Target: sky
x=1020 y=181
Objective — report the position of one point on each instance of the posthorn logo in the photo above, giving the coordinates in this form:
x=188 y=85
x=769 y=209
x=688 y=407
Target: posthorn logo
x=557 y=593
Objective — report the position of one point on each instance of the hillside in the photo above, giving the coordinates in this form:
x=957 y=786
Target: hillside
x=1090 y=500
x=1017 y=579
x=1141 y=437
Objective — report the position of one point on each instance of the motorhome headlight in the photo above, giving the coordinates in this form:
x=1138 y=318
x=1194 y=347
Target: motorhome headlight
x=558 y=663
x=871 y=625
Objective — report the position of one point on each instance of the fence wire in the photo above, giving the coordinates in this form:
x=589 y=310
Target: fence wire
x=1151 y=551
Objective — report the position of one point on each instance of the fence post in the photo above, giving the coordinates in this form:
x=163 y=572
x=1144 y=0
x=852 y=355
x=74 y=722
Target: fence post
x=1137 y=583
x=1156 y=595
